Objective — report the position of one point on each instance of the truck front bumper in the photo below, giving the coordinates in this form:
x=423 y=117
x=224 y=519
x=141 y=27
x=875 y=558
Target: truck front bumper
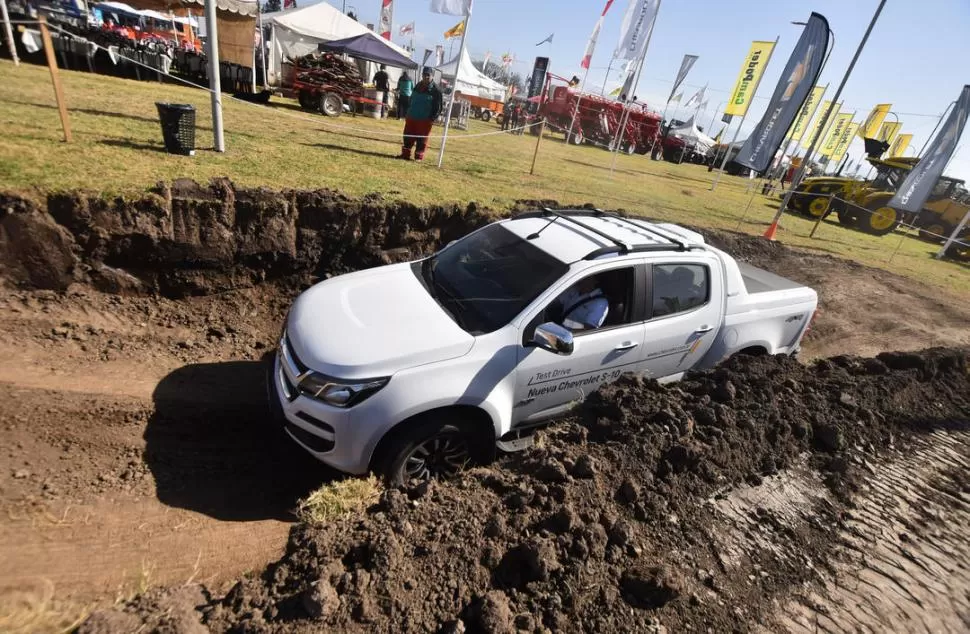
x=328 y=433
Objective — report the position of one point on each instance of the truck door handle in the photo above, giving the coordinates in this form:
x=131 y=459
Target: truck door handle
x=627 y=345
x=704 y=329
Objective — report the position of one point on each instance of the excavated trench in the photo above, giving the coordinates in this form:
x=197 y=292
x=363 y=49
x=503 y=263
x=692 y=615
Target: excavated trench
x=742 y=498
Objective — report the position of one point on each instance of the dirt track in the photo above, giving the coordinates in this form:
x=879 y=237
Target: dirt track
x=132 y=425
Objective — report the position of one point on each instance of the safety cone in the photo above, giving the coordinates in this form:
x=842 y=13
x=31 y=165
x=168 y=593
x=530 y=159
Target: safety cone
x=770 y=233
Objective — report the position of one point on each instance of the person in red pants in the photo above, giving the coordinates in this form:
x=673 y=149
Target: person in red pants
x=422 y=111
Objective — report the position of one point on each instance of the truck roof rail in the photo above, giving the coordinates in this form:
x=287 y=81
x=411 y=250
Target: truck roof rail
x=674 y=242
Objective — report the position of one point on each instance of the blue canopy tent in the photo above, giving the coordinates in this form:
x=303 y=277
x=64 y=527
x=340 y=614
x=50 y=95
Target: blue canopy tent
x=370 y=47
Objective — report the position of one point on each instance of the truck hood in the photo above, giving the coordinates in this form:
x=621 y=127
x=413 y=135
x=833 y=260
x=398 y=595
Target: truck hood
x=372 y=324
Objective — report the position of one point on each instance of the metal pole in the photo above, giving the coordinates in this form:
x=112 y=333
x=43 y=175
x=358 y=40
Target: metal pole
x=714 y=116
x=607 y=78
x=451 y=98
x=215 y=81
x=838 y=93
x=262 y=47
x=727 y=151
x=9 y=33
x=952 y=103
x=754 y=91
x=535 y=154
x=626 y=108
x=633 y=89
x=579 y=97
x=663 y=118
x=953 y=236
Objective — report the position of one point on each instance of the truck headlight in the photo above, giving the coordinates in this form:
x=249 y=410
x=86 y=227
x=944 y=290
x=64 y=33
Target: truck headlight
x=339 y=393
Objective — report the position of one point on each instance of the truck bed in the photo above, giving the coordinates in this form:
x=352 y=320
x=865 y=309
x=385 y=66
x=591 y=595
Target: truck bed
x=761 y=281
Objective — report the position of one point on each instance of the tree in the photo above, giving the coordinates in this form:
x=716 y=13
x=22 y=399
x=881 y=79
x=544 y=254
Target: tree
x=501 y=74
x=271 y=6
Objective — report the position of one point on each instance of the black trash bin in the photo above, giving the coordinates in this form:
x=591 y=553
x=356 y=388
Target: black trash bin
x=178 y=127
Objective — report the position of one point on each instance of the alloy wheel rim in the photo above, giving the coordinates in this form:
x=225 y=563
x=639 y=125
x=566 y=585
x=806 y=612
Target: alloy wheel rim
x=818 y=207
x=883 y=218
x=440 y=455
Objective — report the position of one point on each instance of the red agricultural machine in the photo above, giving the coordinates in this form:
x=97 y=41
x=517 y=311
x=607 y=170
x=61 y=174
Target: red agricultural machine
x=598 y=118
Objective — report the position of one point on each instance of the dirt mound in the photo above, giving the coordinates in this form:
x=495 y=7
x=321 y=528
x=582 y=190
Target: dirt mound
x=185 y=239
x=609 y=523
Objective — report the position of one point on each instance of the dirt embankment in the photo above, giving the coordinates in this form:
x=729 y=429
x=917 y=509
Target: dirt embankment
x=628 y=518
x=185 y=239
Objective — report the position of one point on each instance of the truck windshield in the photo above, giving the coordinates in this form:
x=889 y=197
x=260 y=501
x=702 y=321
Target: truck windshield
x=489 y=277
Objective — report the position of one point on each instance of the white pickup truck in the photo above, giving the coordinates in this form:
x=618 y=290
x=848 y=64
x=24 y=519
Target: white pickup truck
x=414 y=370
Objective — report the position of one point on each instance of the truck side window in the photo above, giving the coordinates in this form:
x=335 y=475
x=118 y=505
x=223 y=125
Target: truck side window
x=616 y=286
x=679 y=287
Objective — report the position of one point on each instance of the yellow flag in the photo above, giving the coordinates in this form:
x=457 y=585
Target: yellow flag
x=807 y=112
x=874 y=120
x=900 y=145
x=455 y=31
x=889 y=130
x=835 y=134
x=616 y=91
x=844 y=141
x=749 y=77
x=818 y=126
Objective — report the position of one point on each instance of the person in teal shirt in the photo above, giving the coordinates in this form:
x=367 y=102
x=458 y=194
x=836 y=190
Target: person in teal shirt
x=405 y=86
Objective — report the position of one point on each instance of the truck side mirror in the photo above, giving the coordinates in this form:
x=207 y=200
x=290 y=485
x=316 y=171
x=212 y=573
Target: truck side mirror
x=554 y=338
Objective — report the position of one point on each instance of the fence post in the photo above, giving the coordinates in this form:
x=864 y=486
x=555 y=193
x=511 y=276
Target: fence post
x=55 y=78
x=824 y=214
x=9 y=33
x=542 y=130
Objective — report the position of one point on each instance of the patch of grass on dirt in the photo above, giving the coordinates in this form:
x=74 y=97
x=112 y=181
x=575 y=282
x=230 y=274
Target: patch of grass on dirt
x=336 y=499
x=118 y=147
x=38 y=613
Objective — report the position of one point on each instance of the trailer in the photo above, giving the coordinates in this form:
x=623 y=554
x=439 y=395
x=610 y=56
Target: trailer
x=482 y=107
x=598 y=118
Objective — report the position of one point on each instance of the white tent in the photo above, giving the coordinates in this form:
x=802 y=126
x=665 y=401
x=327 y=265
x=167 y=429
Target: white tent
x=691 y=135
x=470 y=80
x=297 y=32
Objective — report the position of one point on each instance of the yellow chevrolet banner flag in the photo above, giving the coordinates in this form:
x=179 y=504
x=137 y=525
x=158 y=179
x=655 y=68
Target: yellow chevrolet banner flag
x=845 y=141
x=807 y=112
x=868 y=129
x=835 y=134
x=455 y=31
x=900 y=145
x=818 y=126
x=749 y=77
x=889 y=130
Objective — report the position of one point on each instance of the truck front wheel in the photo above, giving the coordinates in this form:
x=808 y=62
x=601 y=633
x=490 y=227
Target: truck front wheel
x=431 y=449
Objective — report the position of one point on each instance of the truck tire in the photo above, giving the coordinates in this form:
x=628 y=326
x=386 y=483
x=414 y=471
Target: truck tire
x=309 y=100
x=486 y=115
x=576 y=138
x=849 y=216
x=883 y=219
x=817 y=207
x=437 y=447
x=332 y=105
x=631 y=148
x=934 y=229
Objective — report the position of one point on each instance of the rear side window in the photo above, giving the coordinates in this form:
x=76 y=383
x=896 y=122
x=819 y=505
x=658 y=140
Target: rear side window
x=679 y=287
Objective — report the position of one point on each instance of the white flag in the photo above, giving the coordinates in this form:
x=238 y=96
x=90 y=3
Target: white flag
x=635 y=30
x=452 y=7
x=697 y=98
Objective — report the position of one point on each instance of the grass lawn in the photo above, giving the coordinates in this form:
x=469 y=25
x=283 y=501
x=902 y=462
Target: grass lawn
x=117 y=147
